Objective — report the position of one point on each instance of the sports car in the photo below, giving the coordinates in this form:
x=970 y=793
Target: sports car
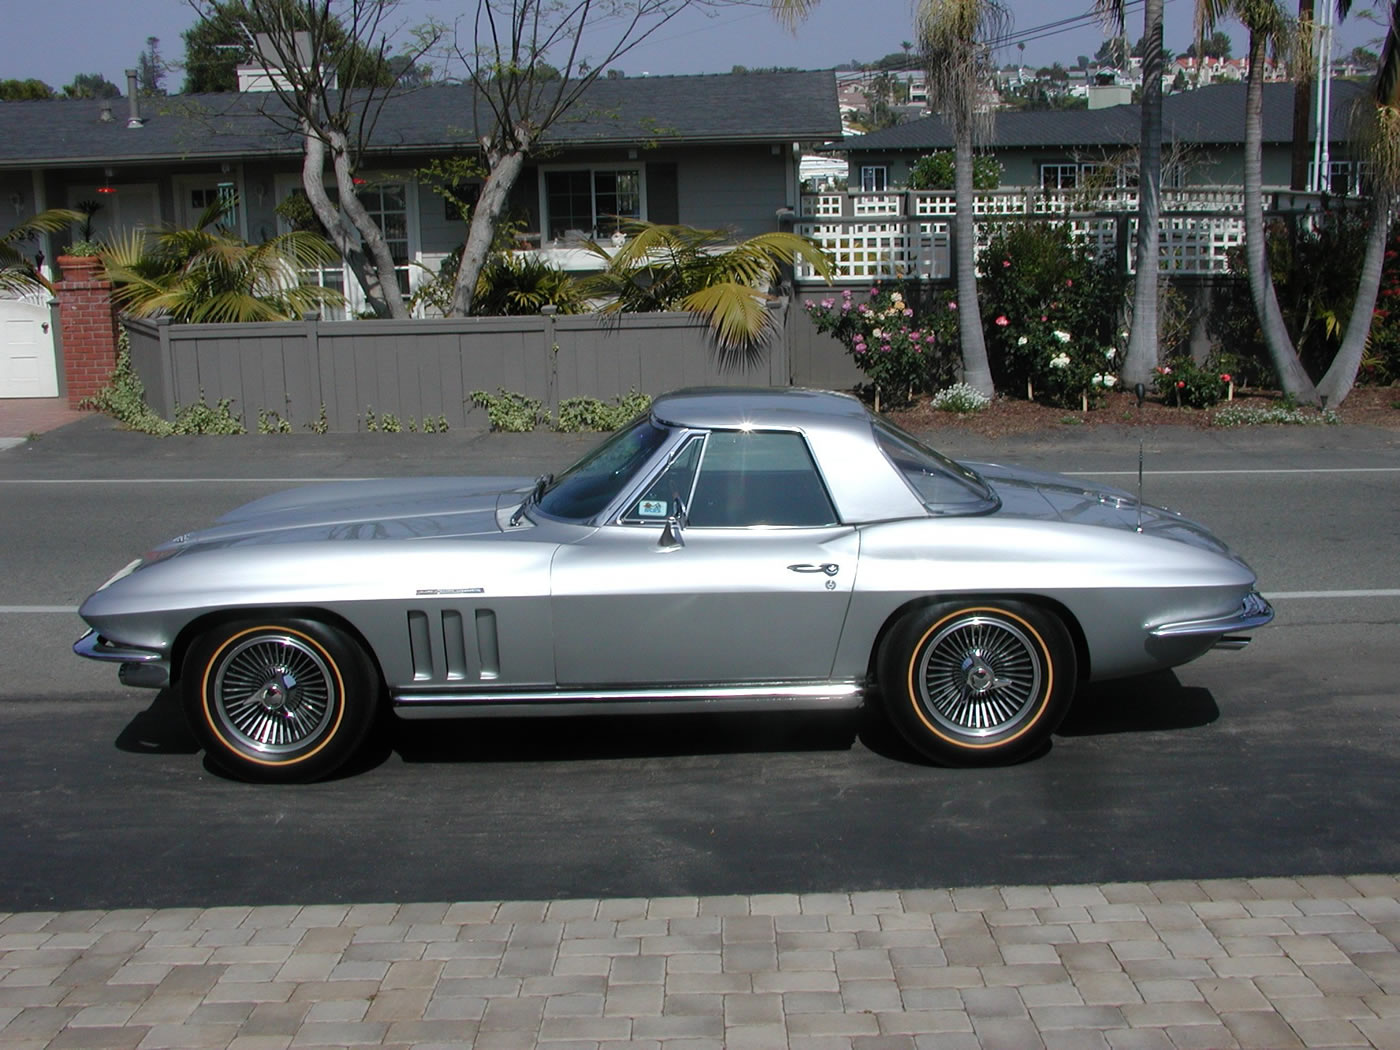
x=729 y=549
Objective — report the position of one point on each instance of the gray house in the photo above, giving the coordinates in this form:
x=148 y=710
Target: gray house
x=708 y=151
x=1203 y=143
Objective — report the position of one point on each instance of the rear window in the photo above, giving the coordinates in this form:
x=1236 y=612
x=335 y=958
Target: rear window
x=942 y=485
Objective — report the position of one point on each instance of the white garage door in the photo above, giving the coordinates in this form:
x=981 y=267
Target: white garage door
x=27 y=367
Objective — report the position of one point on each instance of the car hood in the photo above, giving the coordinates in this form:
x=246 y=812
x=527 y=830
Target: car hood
x=1043 y=496
x=413 y=508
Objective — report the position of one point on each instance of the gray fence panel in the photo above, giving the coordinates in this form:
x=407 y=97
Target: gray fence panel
x=149 y=363
x=818 y=359
x=429 y=368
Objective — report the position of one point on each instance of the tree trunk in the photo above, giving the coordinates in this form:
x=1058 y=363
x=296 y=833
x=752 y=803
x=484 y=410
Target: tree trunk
x=1302 y=151
x=1341 y=374
x=486 y=216
x=341 y=235
x=1143 y=339
x=977 y=373
x=1291 y=375
x=387 y=278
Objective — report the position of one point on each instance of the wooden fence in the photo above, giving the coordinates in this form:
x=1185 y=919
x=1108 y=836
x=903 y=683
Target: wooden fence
x=428 y=368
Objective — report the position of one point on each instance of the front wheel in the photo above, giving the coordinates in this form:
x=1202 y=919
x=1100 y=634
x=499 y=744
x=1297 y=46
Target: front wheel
x=977 y=683
x=279 y=701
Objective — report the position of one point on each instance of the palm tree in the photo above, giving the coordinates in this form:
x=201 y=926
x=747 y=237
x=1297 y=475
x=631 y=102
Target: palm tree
x=206 y=274
x=681 y=268
x=1143 y=335
x=1380 y=125
x=18 y=275
x=1269 y=28
x=953 y=35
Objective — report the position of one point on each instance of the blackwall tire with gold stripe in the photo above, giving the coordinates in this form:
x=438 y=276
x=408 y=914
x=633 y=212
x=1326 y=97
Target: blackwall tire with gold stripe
x=972 y=682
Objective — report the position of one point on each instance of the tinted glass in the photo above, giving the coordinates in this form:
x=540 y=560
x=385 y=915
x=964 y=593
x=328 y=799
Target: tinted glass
x=945 y=487
x=585 y=489
x=759 y=478
x=670 y=493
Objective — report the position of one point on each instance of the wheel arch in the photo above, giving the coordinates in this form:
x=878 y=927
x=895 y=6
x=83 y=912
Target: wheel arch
x=1040 y=601
x=202 y=624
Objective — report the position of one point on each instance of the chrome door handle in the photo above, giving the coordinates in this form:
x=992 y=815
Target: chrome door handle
x=828 y=567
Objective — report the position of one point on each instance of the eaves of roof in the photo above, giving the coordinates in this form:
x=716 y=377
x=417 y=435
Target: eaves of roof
x=1212 y=115
x=712 y=109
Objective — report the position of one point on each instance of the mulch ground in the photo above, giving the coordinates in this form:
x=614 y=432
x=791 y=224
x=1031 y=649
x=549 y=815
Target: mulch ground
x=1370 y=406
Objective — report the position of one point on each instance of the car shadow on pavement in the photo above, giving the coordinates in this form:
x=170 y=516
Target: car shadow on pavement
x=1144 y=704
x=591 y=737
x=160 y=729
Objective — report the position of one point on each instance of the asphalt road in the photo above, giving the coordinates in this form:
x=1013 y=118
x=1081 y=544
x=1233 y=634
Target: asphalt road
x=1282 y=759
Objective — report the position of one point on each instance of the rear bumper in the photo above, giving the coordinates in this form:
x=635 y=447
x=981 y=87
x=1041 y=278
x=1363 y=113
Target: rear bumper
x=143 y=668
x=1253 y=612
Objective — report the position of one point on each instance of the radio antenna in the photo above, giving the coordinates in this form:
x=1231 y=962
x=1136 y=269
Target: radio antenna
x=1141 y=392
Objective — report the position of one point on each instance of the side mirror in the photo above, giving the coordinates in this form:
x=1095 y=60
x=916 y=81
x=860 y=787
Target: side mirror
x=671 y=538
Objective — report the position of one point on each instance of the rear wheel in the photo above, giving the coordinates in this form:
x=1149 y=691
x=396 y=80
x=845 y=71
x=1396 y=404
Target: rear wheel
x=279 y=701
x=977 y=683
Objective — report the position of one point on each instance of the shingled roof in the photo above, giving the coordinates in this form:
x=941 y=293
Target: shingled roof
x=1212 y=115
x=723 y=108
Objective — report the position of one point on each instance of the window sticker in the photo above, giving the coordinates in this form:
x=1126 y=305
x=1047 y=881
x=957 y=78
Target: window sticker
x=652 y=508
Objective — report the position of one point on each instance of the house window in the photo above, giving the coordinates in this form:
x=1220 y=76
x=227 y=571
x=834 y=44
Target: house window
x=874 y=178
x=1085 y=176
x=393 y=209
x=202 y=197
x=1059 y=176
x=387 y=204
x=592 y=201
x=1345 y=178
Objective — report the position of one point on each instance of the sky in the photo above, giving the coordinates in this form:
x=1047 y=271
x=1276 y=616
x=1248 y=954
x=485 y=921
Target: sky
x=53 y=40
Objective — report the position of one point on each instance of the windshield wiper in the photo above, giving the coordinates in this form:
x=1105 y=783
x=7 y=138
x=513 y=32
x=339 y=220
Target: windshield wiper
x=537 y=490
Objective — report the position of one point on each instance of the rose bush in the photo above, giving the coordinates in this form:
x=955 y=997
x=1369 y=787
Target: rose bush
x=1052 y=308
x=903 y=337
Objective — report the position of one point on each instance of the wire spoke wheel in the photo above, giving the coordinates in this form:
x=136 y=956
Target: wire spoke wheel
x=979 y=676
x=286 y=700
x=977 y=683
x=274 y=693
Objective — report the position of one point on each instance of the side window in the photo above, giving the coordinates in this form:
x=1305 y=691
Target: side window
x=759 y=478
x=671 y=491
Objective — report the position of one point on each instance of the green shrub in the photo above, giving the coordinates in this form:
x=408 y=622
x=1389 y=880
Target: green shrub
x=588 y=413
x=935 y=171
x=960 y=398
x=904 y=338
x=124 y=399
x=509 y=411
x=1049 y=310
x=1236 y=415
x=1186 y=384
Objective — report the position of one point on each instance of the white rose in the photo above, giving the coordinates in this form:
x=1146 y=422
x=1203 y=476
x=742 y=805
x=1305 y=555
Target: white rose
x=1062 y=336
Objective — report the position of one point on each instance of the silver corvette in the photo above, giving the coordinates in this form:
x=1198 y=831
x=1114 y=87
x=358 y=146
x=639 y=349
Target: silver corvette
x=732 y=549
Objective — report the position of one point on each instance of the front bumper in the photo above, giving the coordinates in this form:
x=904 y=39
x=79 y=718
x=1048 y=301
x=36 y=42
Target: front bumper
x=143 y=668
x=1254 y=611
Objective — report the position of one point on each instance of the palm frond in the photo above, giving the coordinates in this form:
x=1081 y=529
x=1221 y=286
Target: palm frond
x=51 y=221
x=737 y=314
x=1386 y=88
x=791 y=12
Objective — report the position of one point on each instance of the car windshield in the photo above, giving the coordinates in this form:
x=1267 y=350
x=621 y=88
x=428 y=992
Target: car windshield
x=585 y=489
x=944 y=486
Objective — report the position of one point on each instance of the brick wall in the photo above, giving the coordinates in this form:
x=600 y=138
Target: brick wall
x=87 y=322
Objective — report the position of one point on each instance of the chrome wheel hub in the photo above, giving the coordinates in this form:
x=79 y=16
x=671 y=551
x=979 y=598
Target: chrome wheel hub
x=273 y=693
x=979 y=675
